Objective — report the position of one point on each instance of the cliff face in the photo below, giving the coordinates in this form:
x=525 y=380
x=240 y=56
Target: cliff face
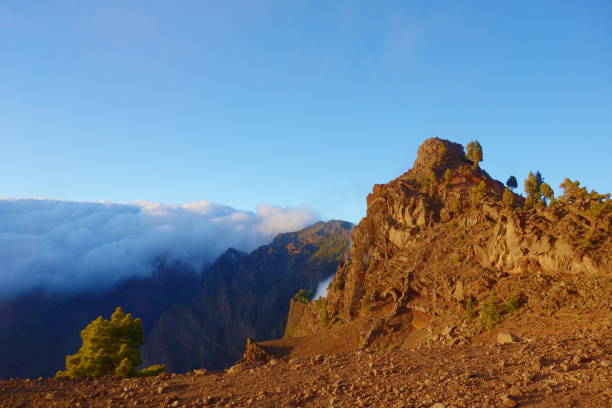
x=430 y=240
x=246 y=296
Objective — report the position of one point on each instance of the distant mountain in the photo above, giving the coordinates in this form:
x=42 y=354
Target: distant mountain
x=246 y=295
x=38 y=330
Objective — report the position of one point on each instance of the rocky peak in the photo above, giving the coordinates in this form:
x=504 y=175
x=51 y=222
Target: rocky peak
x=438 y=155
x=429 y=243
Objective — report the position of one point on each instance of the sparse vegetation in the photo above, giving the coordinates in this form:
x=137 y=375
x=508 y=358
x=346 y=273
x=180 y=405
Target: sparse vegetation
x=321 y=304
x=331 y=249
x=340 y=278
x=478 y=193
x=596 y=204
x=547 y=193
x=303 y=296
x=151 y=370
x=537 y=191
x=474 y=153
x=110 y=347
x=572 y=192
x=513 y=303
x=470 y=313
x=491 y=313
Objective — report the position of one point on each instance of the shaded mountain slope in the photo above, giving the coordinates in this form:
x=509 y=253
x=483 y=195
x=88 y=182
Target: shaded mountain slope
x=246 y=295
x=38 y=330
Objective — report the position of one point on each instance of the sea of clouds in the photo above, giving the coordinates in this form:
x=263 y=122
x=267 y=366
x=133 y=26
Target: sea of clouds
x=67 y=247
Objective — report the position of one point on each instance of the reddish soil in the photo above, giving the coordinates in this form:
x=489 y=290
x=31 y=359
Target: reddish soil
x=564 y=364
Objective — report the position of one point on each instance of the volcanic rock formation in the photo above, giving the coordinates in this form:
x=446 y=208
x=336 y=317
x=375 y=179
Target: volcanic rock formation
x=440 y=234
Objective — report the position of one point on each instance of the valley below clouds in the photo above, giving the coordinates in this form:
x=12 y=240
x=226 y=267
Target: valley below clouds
x=65 y=247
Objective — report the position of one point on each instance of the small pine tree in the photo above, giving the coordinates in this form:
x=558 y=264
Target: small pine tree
x=511 y=183
x=109 y=347
x=491 y=312
x=547 y=193
x=303 y=296
x=508 y=197
x=572 y=192
x=474 y=152
x=533 y=184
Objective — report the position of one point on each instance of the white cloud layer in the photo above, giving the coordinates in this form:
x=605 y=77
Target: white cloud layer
x=65 y=246
x=322 y=288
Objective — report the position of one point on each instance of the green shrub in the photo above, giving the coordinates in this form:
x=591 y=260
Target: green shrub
x=303 y=296
x=321 y=303
x=478 y=193
x=491 y=312
x=474 y=152
x=513 y=303
x=151 y=371
x=109 y=347
x=470 y=313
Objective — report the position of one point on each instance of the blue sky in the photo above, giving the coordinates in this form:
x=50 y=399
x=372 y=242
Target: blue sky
x=294 y=103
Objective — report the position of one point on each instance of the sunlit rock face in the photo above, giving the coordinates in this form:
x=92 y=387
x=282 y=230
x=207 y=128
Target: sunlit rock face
x=428 y=239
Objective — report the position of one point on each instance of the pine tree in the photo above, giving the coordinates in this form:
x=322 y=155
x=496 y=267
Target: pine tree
x=109 y=347
x=511 y=183
x=533 y=184
x=547 y=192
x=572 y=192
x=474 y=152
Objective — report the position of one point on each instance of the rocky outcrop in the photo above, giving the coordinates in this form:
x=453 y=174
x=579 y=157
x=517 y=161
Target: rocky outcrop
x=440 y=233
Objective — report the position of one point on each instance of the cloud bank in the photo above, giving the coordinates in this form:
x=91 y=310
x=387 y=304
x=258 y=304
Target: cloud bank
x=66 y=247
x=322 y=288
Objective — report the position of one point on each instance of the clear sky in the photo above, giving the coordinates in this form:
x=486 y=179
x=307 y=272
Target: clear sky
x=294 y=102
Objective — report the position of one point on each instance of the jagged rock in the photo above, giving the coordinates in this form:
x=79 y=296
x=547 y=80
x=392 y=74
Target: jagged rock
x=509 y=400
x=253 y=353
x=508 y=338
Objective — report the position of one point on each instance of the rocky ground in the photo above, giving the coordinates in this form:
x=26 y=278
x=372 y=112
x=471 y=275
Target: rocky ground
x=570 y=368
